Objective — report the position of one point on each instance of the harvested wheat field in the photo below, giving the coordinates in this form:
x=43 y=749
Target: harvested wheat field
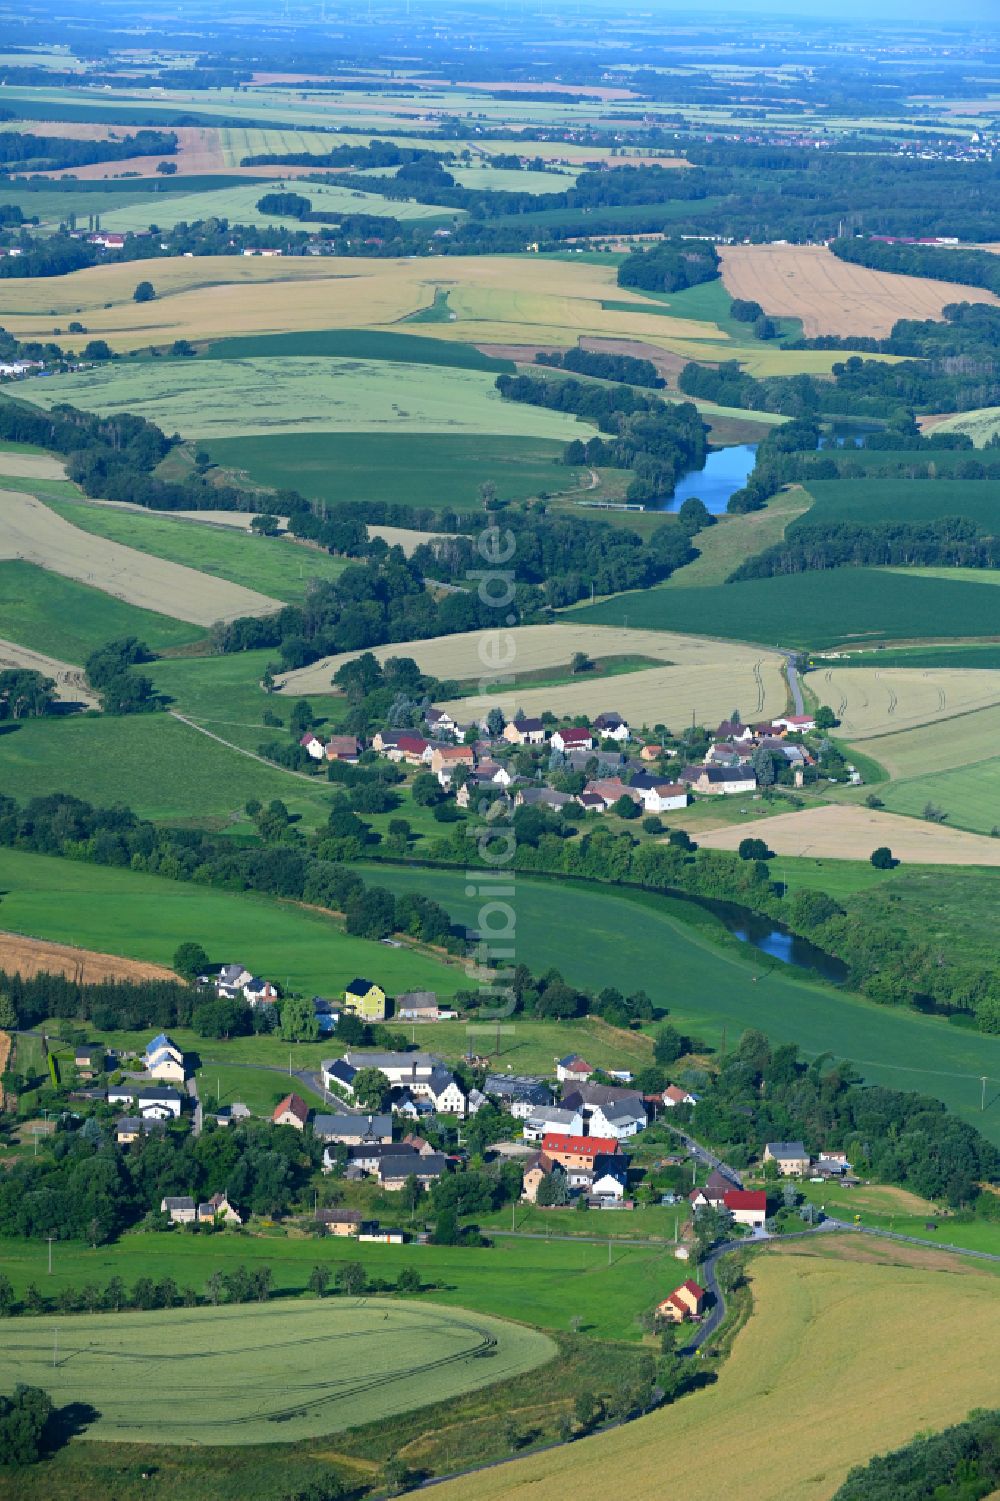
x=944 y=745
x=36 y=956
x=841 y=831
x=887 y=1371
x=199 y=153
x=832 y=296
x=676 y=695
x=403 y=536
x=494 y=298
x=30 y=466
x=31 y=533
x=708 y=678
x=877 y=702
x=71 y=682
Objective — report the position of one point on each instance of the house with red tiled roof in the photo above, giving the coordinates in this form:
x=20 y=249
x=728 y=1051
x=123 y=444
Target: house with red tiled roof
x=685 y=1302
x=573 y=1069
x=291 y=1111
x=577 y=1151
x=747 y=1206
x=572 y=739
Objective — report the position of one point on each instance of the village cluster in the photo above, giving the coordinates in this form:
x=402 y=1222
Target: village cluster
x=569 y=1134
x=471 y=760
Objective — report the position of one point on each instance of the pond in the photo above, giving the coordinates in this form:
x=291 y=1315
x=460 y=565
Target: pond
x=725 y=471
x=772 y=939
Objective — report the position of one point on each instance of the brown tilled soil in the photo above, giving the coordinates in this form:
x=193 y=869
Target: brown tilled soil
x=669 y=365
x=35 y=956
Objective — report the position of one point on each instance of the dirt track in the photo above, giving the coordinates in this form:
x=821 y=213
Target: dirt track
x=832 y=296
x=35 y=956
x=843 y=832
x=71 y=685
x=30 y=532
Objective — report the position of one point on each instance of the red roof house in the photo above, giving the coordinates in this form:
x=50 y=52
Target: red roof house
x=747 y=1206
x=685 y=1302
x=291 y=1111
x=577 y=1151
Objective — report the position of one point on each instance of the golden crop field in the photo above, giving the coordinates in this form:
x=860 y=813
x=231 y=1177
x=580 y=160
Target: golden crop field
x=498 y=299
x=402 y=536
x=30 y=466
x=752 y=682
x=706 y=678
x=849 y=1352
x=831 y=296
x=843 y=831
x=870 y=702
x=31 y=533
x=937 y=747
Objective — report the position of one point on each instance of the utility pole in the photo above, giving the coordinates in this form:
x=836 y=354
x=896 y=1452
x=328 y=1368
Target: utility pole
x=50 y=1239
x=982 y=1102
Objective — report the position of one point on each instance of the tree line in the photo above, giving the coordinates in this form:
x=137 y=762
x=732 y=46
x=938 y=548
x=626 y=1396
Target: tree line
x=22 y=151
x=962 y=1463
x=949 y=541
x=617 y=367
x=763 y=1092
x=657 y=441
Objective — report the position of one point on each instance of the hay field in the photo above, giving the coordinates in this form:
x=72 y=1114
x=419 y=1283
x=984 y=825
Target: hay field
x=830 y=1335
x=495 y=299
x=938 y=747
x=981 y=425
x=708 y=678
x=403 y=536
x=261 y=397
x=752 y=682
x=31 y=533
x=875 y=702
x=36 y=956
x=30 y=466
x=71 y=683
x=841 y=831
x=239 y=206
x=832 y=296
x=282 y=1371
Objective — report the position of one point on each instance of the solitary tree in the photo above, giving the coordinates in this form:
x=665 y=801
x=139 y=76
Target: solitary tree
x=190 y=960
x=144 y=292
x=882 y=858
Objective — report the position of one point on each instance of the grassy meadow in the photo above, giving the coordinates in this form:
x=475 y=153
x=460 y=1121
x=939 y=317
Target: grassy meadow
x=223 y=399
x=64 y=619
x=271 y=565
x=838 y=606
x=358 y=344
x=418 y=469
x=146 y=917
x=238 y=204
x=264 y=1372
x=712 y=985
x=162 y=769
x=544 y=1283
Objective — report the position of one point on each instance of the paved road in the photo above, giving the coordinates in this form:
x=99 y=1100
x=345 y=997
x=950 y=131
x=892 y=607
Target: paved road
x=191 y=1086
x=793 y=684
x=702 y=1154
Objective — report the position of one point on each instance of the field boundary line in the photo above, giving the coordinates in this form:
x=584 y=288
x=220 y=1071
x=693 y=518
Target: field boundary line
x=192 y=724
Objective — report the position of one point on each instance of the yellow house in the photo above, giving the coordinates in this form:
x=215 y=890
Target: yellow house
x=365 y=999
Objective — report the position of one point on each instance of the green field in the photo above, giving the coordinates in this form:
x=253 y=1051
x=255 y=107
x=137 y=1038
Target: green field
x=64 y=619
x=981 y=425
x=871 y=501
x=224 y=694
x=841 y=605
x=272 y=565
x=970 y=795
x=400 y=468
x=255 y=1375
x=724 y=546
x=964 y=655
x=157 y=766
x=708 y=982
x=358 y=344
x=146 y=917
x=544 y=1283
x=226 y=398
x=238 y=204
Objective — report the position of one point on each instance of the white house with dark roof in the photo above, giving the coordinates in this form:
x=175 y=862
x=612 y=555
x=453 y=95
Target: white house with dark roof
x=612 y=726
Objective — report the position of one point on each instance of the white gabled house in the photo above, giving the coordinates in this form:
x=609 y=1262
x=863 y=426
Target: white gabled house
x=618 y=1120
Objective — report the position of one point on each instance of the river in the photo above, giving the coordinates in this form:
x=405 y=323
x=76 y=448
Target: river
x=726 y=470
